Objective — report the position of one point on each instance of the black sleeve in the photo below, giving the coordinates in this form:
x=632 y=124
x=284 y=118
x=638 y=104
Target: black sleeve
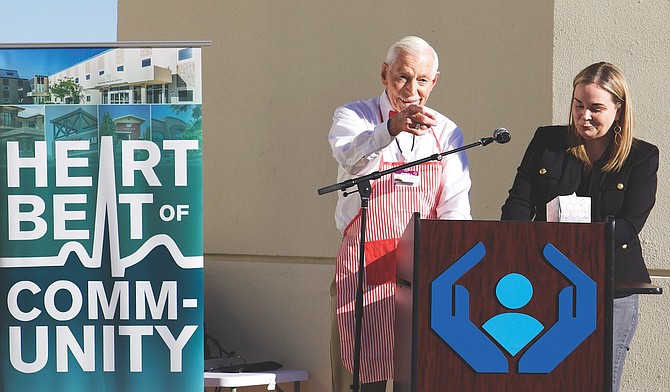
x=519 y=205
x=640 y=195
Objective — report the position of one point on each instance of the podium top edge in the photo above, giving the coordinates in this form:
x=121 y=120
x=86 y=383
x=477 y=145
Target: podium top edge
x=117 y=44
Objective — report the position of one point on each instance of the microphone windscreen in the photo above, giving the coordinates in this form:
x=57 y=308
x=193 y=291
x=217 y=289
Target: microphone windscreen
x=502 y=135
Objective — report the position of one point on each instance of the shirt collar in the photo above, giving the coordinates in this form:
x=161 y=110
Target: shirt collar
x=384 y=106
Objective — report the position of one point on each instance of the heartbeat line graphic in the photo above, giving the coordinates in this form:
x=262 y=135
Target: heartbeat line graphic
x=106 y=206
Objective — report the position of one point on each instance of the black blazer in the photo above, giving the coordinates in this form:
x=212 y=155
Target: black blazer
x=548 y=170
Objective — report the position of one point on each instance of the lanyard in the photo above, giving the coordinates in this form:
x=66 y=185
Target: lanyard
x=398 y=144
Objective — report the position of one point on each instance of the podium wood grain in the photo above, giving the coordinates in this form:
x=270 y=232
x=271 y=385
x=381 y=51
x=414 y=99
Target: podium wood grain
x=424 y=362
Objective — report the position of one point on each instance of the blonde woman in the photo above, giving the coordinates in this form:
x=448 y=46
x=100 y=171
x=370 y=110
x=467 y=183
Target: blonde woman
x=595 y=156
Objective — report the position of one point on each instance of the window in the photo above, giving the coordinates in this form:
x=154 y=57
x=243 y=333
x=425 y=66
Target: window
x=186 y=96
x=155 y=93
x=76 y=80
x=185 y=54
x=102 y=72
x=146 y=62
x=119 y=68
x=137 y=94
x=88 y=76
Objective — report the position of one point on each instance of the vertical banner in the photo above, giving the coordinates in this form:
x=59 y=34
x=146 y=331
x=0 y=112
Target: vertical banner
x=101 y=259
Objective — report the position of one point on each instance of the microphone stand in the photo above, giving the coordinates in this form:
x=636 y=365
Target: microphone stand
x=364 y=189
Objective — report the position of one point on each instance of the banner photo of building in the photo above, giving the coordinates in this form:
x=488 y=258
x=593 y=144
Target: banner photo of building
x=101 y=255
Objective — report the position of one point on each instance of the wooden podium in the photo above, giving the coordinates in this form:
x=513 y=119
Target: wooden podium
x=450 y=280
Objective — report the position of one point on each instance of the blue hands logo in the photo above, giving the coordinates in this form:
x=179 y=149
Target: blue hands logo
x=450 y=317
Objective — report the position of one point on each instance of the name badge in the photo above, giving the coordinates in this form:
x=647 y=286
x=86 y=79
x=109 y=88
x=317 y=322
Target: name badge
x=406 y=177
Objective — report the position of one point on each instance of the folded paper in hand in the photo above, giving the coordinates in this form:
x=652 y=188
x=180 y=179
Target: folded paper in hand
x=571 y=208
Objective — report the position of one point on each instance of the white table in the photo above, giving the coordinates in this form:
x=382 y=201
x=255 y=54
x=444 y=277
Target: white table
x=270 y=378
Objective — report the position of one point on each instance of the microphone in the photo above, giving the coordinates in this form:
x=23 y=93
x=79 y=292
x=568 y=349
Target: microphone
x=501 y=135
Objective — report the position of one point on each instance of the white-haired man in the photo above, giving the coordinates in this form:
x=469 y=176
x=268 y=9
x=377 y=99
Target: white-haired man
x=374 y=135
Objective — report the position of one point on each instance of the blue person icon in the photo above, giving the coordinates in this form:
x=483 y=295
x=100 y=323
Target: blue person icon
x=513 y=330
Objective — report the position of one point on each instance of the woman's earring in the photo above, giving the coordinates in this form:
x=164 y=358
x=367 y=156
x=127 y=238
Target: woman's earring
x=617 y=133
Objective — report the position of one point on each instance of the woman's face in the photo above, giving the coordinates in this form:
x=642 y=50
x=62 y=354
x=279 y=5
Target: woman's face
x=593 y=111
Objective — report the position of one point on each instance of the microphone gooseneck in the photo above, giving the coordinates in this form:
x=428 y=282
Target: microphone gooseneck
x=500 y=135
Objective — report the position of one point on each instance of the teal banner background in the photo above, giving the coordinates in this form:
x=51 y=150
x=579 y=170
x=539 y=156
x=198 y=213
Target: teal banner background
x=101 y=259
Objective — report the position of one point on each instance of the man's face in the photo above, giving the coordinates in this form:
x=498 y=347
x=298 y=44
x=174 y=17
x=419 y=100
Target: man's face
x=409 y=80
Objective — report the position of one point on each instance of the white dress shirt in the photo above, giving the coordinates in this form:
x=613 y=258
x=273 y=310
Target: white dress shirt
x=360 y=139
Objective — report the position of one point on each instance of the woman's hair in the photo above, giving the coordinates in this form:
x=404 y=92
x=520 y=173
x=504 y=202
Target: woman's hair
x=609 y=78
x=414 y=46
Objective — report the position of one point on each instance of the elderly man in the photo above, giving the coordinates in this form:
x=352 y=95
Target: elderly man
x=378 y=134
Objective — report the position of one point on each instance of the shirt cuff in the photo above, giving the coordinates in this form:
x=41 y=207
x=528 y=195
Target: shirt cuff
x=381 y=136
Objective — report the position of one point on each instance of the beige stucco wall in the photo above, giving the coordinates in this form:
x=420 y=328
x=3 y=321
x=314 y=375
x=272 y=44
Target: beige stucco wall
x=276 y=71
x=635 y=36
x=273 y=76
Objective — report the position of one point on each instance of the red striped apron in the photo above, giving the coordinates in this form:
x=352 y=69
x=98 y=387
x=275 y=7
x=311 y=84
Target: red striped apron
x=390 y=208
